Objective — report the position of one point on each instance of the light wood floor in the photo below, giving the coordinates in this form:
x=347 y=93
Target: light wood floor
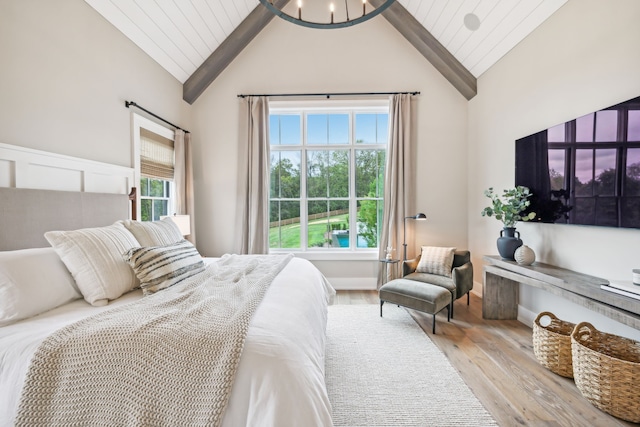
x=495 y=358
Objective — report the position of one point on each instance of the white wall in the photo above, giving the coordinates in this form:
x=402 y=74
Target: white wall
x=585 y=57
x=65 y=75
x=370 y=57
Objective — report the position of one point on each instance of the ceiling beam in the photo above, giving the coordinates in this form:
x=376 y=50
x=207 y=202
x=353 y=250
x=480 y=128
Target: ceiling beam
x=227 y=51
x=396 y=15
x=430 y=48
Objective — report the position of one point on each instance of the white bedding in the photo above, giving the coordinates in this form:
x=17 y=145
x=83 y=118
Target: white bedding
x=280 y=379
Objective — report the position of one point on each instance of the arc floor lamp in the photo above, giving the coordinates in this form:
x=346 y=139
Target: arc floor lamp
x=417 y=217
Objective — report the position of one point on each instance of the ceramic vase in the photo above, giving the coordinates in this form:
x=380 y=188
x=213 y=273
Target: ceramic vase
x=524 y=255
x=508 y=242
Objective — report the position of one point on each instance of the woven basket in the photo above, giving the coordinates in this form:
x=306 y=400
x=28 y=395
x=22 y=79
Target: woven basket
x=552 y=344
x=606 y=370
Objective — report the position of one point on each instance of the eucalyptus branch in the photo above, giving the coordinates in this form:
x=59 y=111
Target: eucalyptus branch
x=509 y=206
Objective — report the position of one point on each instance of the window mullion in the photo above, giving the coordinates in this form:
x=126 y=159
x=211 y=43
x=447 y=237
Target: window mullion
x=353 y=196
x=304 y=212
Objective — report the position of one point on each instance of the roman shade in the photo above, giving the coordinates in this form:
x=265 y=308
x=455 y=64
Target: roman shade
x=156 y=156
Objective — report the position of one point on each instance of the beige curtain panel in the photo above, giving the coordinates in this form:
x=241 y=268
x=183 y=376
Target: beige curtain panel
x=183 y=180
x=254 y=157
x=399 y=192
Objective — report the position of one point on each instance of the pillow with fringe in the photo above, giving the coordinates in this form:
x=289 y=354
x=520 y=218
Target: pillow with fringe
x=160 y=267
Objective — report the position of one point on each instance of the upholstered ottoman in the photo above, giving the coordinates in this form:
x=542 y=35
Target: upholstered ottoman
x=418 y=296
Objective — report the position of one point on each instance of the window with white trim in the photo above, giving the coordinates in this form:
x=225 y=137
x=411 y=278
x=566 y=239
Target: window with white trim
x=155 y=161
x=327 y=175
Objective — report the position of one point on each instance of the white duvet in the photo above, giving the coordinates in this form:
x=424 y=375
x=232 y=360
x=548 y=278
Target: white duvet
x=280 y=379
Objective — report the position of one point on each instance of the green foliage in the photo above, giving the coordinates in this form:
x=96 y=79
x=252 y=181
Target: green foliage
x=327 y=174
x=508 y=207
x=369 y=215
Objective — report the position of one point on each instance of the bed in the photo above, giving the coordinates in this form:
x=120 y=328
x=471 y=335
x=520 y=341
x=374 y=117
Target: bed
x=279 y=380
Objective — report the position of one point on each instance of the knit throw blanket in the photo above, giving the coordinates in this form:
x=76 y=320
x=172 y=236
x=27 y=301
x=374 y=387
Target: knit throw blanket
x=168 y=359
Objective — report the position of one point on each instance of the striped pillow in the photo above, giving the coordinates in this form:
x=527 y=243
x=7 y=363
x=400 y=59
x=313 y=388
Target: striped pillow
x=436 y=260
x=157 y=233
x=94 y=258
x=159 y=267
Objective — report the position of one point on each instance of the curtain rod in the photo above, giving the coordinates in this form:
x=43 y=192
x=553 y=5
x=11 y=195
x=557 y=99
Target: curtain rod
x=328 y=95
x=132 y=103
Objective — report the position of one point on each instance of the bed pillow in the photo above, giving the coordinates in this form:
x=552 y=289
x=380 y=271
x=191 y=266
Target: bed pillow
x=94 y=258
x=436 y=260
x=159 y=267
x=33 y=281
x=156 y=233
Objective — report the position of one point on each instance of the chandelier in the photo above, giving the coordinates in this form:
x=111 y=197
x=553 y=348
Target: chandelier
x=368 y=12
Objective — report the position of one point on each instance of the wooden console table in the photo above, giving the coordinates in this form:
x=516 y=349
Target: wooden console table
x=500 y=291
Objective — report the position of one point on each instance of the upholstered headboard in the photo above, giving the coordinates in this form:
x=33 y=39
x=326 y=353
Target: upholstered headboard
x=26 y=214
x=42 y=191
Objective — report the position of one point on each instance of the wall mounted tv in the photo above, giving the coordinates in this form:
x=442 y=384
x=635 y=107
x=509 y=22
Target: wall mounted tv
x=585 y=171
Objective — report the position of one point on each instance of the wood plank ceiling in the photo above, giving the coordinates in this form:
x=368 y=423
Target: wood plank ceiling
x=181 y=34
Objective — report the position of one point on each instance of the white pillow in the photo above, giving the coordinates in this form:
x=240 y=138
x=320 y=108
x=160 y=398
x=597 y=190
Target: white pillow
x=159 y=267
x=33 y=281
x=157 y=233
x=436 y=260
x=94 y=258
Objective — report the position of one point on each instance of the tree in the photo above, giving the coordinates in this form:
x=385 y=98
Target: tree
x=327 y=176
x=369 y=165
x=605 y=183
x=370 y=214
x=632 y=181
x=557 y=179
x=285 y=183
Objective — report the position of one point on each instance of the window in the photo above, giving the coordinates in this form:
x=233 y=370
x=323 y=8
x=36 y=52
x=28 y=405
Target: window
x=327 y=175
x=155 y=198
x=153 y=150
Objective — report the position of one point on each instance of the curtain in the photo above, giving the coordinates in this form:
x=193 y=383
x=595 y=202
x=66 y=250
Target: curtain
x=532 y=171
x=254 y=176
x=183 y=179
x=399 y=192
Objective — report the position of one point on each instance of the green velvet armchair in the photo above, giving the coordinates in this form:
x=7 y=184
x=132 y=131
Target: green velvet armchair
x=460 y=282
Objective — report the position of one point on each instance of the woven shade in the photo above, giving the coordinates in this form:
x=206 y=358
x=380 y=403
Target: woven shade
x=156 y=156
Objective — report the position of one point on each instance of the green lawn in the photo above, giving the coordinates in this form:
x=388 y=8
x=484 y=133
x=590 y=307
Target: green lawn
x=290 y=234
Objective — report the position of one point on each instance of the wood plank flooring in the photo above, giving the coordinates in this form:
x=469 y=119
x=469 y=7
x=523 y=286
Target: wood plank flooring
x=495 y=358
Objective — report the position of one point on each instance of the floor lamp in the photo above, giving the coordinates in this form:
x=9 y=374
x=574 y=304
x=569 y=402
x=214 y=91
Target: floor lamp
x=418 y=217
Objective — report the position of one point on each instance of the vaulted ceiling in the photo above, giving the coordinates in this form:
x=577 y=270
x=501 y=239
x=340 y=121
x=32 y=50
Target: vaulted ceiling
x=181 y=35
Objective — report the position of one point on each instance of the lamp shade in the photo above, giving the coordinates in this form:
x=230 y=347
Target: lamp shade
x=182 y=221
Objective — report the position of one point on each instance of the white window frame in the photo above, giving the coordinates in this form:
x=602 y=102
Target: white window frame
x=351 y=107
x=139 y=122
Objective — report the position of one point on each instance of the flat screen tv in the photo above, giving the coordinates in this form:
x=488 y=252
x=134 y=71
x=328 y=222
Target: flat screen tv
x=585 y=171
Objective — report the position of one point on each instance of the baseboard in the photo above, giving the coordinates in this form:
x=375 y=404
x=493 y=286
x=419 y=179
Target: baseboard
x=353 y=283
x=526 y=316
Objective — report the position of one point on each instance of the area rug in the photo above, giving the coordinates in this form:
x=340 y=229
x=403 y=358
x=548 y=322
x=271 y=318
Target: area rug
x=387 y=372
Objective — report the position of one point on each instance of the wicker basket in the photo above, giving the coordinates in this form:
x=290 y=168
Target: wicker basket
x=606 y=370
x=552 y=344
